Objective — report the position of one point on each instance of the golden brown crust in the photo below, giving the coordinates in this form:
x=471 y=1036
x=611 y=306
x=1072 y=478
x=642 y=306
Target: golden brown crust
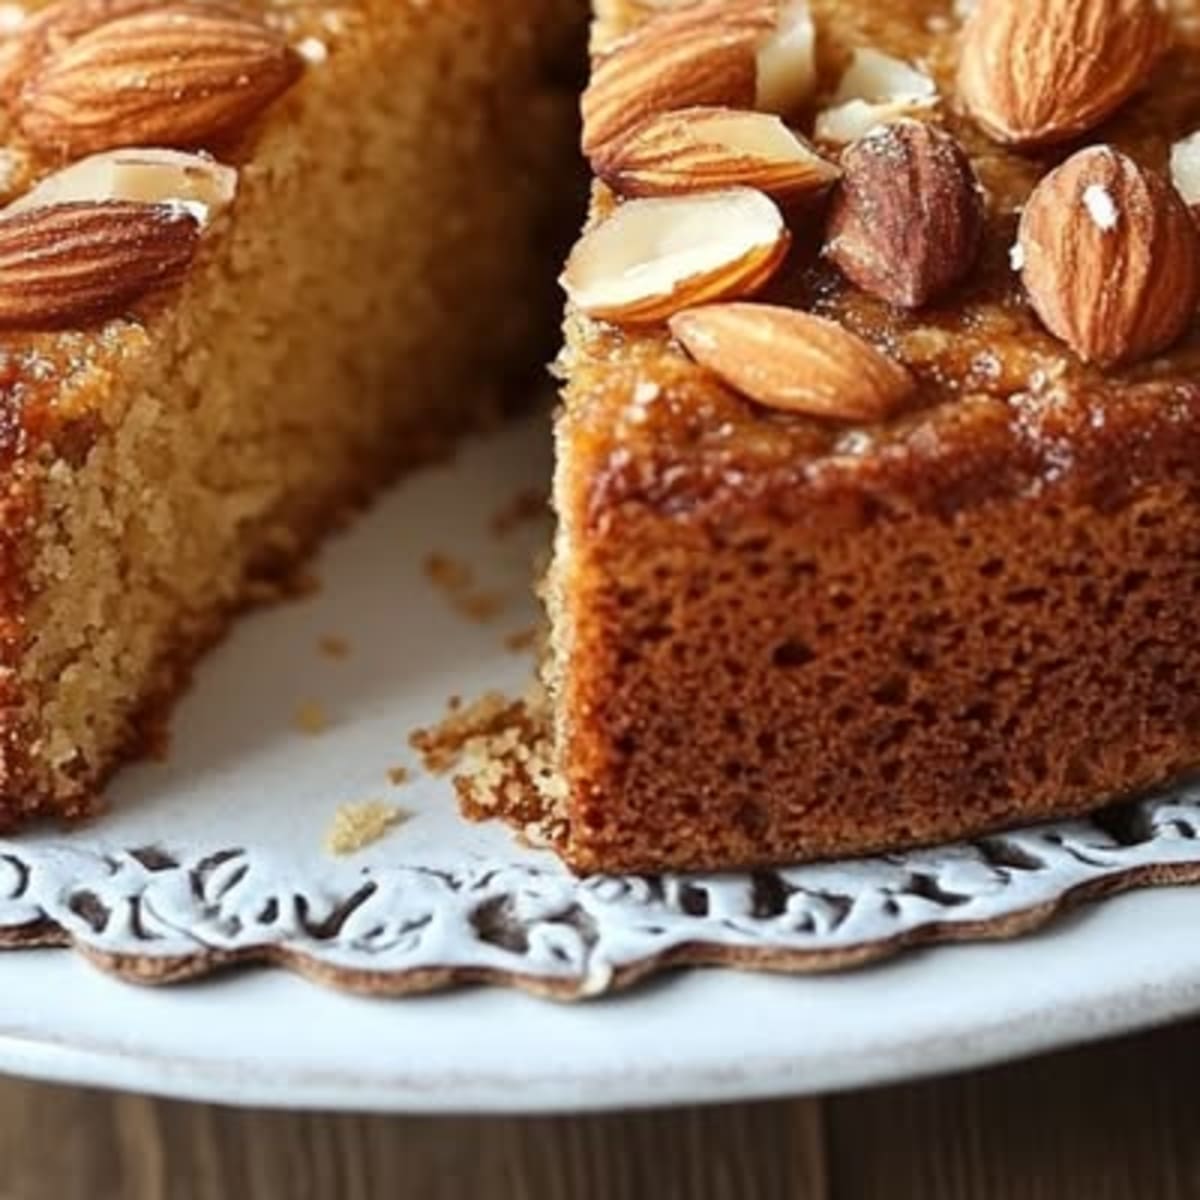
x=67 y=396
x=777 y=639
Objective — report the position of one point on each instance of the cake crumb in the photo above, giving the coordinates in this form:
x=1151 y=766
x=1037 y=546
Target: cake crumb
x=505 y=770
x=440 y=746
x=332 y=645
x=522 y=508
x=398 y=776
x=456 y=581
x=310 y=719
x=500 y=753
x=356 y=826
x=523 y=639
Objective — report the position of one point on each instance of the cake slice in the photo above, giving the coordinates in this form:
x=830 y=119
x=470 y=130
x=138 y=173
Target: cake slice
x=893 y=536
x=256 y=258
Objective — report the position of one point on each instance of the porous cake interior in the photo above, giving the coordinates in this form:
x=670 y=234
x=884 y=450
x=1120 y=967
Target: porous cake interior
x=372 y=296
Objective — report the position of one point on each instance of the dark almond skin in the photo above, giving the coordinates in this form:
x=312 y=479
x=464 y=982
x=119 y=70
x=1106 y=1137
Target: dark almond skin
x=72 y=264
x=907 y=220
x=180 y=76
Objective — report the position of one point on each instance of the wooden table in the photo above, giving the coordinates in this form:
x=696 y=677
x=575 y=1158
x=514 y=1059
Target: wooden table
x=1115 y=1122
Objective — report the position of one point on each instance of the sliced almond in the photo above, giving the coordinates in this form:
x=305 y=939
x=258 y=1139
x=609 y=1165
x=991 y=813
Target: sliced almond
x=907 y=219
x=141 y=175
x=787 y=61
x=73 y=263
x=654 y=257
x=706 y=149
x=178 y=76
x=1185 y=170
x=1036 y=72
x=1110 y=257
x=876 y=90
x=794 y=362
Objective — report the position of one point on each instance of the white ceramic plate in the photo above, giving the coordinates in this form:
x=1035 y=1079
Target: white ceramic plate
x=214 y=859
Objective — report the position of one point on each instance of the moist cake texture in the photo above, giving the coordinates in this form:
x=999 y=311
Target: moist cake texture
x=778 y=636
x=399 y=172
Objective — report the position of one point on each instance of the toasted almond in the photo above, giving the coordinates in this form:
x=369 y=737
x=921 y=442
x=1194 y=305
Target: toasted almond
x=177 y=76
x=654 y=257
x=794 y=362
x=707 y=149
x=875 y=90
x=1036 y=72
x=145 y=175
x=700 y=54
x=73 y=263
x=1185 y=170
x=724 y=53
x=907 y=219
x=1110 y=257
x=51 y=29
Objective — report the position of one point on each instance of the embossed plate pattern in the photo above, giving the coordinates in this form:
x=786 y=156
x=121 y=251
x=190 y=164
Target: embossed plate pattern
x=214 y=857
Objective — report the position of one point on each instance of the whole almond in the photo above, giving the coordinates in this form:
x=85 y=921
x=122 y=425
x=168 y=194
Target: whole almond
x=652 y=257
x=706 y=149
x=74 y=263
x=907 y=219
x=1036 y=72
x=50 y=30
x=700 y=54
x=1110 y=257
x=176 y=77
x=794 y=362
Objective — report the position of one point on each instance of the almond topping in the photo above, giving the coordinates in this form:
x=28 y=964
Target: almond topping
x=787 y=61
x=204 y=187
x=794 y=362
x=80 y=262
x=1036 y=72
x=654 y=257
x=51 y=29
x=724 y=53
x=705 y=149
x=875 y=90
x=177 y=76
x=907 y=220
x=1185 y=170
x=1110 y=257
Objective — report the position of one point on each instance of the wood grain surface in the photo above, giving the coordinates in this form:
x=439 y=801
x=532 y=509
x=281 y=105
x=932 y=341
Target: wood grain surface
x=1114 y=1122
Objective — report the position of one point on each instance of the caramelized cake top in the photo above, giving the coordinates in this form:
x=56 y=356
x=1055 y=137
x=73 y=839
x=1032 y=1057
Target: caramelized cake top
x=999 y=401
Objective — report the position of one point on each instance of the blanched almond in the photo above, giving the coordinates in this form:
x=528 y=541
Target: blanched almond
x=875 y=90
x=794 y=362
x=787 y=61
x=1110 y=257
x=1185 y=170
x=651 y=258
x=1036 y=72
x=201 y=185
x=704 y=149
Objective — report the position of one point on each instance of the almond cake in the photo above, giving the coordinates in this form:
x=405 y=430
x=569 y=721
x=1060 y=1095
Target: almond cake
x=248 y=252
x=878 y=476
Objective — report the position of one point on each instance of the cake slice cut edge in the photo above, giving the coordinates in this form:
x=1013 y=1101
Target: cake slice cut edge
x=168 y=458
x=787 y=635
